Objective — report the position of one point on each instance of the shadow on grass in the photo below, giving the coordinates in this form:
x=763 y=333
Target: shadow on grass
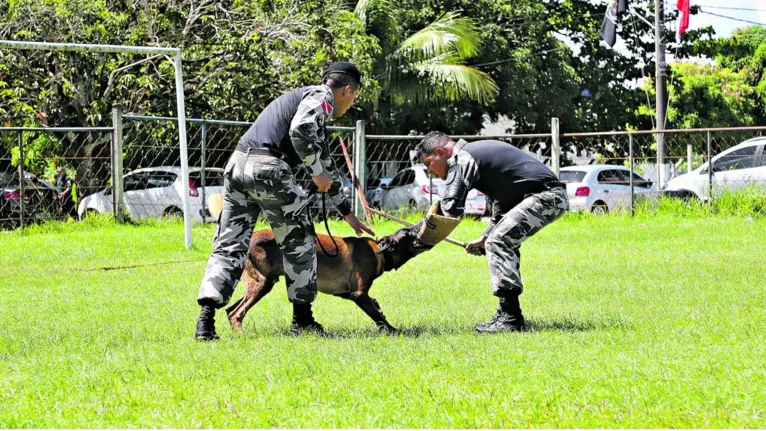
x=565 y=324
x=351 y=333
x=572 y=324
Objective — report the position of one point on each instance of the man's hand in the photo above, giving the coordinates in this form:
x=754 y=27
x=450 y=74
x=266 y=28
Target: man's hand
x=357 y=225
x=476 y=247
x=323 y=182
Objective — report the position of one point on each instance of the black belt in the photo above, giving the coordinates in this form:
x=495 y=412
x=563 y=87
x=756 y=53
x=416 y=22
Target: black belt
x=266 y=151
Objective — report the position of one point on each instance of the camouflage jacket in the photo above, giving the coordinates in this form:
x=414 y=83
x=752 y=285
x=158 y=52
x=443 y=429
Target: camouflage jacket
x=308 y=134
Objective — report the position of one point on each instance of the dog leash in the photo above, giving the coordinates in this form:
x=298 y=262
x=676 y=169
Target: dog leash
x=312 y=191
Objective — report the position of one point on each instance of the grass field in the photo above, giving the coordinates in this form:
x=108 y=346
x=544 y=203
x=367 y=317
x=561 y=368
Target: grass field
x=645 y=322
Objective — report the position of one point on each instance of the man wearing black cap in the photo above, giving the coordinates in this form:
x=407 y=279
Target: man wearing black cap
x=288 y=134
x=526 y=196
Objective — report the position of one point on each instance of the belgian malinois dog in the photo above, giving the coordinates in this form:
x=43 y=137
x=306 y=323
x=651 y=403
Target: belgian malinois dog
x=348 y=273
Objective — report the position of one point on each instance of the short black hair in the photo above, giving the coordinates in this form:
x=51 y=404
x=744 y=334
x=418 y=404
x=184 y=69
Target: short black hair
x=336 y=80
x=341 y=74
x=431 y=142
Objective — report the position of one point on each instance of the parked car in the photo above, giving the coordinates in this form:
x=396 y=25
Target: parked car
x=409 y=190
x=316 y=199
x=603 y=188
x=733 y=169
x=39 y=199
x=375 y=190
x=157 y=192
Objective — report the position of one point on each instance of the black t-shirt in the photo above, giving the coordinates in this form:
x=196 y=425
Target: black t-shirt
x=272 y=127
x=506 y=173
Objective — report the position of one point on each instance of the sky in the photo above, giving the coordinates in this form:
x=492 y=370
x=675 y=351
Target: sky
x=724 y=27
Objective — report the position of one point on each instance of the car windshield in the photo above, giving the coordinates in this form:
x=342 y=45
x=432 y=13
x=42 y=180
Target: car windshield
x=572 y=176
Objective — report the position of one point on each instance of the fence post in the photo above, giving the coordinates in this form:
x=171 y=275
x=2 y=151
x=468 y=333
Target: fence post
x=118 y=206
x=632 y=191
x=430 y=190
x=556 y=147
x=21 y=179
x=709 y=168
x=202 y=166
x=360 y=167
x=689 y=157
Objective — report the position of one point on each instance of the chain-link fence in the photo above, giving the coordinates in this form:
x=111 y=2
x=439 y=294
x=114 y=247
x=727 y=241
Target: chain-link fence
x=398 y=182
x=45 y=173
x=597 y=166
x=152 y=164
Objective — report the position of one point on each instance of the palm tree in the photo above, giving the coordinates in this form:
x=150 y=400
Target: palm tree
x=428 y=66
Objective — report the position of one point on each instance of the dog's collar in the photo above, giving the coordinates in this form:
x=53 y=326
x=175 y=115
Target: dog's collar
x=388 y=261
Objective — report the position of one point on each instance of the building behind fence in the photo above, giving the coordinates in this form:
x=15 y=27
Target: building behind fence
x=144 y=150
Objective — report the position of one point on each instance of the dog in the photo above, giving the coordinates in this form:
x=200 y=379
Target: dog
x=357 y=262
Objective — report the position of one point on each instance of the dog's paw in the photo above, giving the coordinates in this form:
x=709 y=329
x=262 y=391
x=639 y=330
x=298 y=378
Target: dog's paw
x=388 y=330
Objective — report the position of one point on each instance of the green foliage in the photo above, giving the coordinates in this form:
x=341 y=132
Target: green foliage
x=747 y=202
x=238 y=56
x=708 y=96
x=732 y=92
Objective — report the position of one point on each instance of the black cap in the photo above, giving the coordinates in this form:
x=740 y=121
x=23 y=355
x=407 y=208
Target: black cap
x=346 y=68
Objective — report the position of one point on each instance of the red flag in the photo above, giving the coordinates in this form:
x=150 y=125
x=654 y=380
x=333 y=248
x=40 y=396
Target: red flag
x=683 y=18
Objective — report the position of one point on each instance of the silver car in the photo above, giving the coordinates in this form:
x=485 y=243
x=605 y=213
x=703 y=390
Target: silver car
x=603 y=188
x=410 y=191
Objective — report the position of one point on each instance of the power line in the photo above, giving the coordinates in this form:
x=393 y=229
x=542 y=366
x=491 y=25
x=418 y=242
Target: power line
x=733 y=18
x=730 y=8
x=580 y=18
x=507 y=60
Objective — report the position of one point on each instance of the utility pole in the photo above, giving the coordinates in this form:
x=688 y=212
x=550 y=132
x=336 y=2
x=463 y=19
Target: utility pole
x=660 y=87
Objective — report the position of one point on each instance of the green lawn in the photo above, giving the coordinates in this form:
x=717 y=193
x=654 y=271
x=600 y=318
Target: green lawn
x=646 y=322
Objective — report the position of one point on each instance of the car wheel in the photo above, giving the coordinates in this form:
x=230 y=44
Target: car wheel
x=412 y=207
x=173 y=212
x=599 y=208
x=681 y=194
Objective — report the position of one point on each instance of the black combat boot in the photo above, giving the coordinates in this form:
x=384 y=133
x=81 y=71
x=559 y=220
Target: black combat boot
x=492 y=319
x=303 y=320
x=206 y=324
x=507 y=319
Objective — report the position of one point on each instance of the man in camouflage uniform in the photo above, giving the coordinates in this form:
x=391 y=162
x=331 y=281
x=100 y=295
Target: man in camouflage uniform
x=525 y=197
x=64 y=196
x=289 y=133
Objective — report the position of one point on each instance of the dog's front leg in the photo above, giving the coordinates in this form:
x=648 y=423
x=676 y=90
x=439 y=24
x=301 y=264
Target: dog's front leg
x=372 y=308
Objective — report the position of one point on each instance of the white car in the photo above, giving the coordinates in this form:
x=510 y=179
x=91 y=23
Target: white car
x=157 y=192
x=375 y=190
x=409 y=190
x=603 y=188
x=733 y=169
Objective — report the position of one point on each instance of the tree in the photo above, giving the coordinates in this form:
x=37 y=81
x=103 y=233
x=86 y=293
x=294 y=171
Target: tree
x=429 y=65
x=745 y=52
x=238 y=56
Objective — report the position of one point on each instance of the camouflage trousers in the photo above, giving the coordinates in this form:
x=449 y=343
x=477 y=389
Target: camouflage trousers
x=256 y=184
x=524 y=220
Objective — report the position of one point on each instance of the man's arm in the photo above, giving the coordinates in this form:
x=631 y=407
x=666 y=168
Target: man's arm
x=336 y=188
x=67 y=188
x=462 y=173
x=307 y=128
x=307 y=133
